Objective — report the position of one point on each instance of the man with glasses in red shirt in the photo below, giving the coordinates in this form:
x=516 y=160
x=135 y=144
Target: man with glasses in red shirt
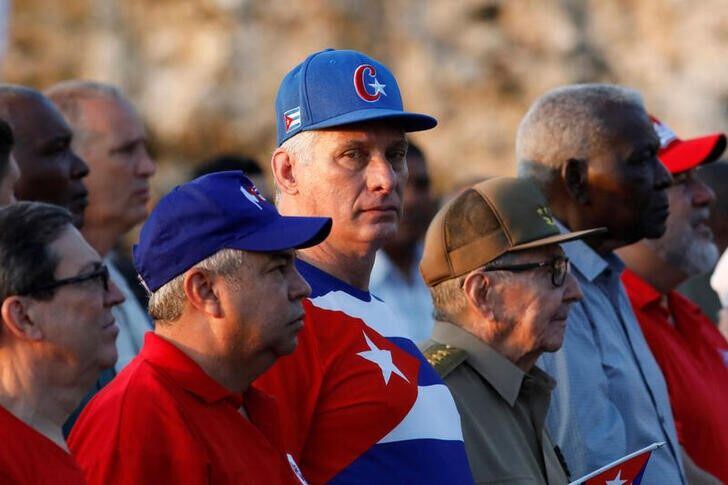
x=502 y=290
x=57 y=334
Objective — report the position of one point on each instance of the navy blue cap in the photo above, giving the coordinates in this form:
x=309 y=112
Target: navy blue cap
x=222 y=210
x=339 y=87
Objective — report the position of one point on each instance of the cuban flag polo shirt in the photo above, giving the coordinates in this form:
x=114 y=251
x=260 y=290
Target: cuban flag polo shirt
x=359 y=401
x=164 y=420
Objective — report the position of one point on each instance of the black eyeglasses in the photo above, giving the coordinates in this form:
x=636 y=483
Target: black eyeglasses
x=559 y=267
x=102 y=273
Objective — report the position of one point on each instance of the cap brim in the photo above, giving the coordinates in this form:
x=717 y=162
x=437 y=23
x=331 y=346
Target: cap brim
x=684 y=155
x=408 y=121
x=285 y=233
x=558 y=238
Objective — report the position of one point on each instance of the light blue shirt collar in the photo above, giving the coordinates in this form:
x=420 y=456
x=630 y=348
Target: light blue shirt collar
x=587 y=261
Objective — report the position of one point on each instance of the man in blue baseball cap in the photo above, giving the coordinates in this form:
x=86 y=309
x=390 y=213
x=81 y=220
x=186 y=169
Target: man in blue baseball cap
x=226 y=298
x=360 y=402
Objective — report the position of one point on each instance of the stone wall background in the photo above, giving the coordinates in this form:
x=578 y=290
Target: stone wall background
x=204 y=72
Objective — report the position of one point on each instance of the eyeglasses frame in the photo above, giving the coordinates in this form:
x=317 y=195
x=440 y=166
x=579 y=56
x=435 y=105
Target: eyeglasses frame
x=516 y=268
x=102 y=271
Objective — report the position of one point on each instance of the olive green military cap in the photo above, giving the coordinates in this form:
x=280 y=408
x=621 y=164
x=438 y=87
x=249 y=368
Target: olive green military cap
x=489 y=219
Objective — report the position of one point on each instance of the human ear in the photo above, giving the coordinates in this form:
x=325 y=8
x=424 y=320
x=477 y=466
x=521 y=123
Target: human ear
x=476 y=287
x=574 y=172
x=201 y=292
x=17 y=319
x=282 y=164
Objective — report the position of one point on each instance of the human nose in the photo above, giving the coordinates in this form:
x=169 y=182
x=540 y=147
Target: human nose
x=113 y=296
x=79 y=168
x=146 y=167
x=381 y=175
x=572 y=290
x=663 y=179
x=298 y=288
x=702 y=194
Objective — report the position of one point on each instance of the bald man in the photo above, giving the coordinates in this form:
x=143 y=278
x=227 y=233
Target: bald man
x=50 y=171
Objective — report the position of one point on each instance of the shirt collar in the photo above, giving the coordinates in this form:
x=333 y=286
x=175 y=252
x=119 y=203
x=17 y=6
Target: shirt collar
x=587 y=261
x=165 y=356
x=641 y=293
x=505 y=377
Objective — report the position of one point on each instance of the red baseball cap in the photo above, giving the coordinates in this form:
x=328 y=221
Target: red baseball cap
x=682 y=155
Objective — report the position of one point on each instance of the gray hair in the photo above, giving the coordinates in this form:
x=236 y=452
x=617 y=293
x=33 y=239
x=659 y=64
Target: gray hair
x=448 y=297
x=568 y=122
x=299 y=147
x=167 y=303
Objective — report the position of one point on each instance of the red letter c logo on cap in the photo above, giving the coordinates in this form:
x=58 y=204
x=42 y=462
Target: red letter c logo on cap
x=361 y=91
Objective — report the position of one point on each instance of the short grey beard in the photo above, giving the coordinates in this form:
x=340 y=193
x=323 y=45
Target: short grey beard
x=692 y=255
x=700 y=258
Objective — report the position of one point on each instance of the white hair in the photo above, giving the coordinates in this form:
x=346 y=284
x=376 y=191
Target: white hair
x=300 y=148
x=568 y=122
x=167 y=303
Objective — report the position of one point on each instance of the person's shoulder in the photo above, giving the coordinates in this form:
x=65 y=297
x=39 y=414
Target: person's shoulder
x=443 y=358
x=139 y=392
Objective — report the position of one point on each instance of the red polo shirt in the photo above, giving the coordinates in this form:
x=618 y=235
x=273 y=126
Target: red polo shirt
x=693 y=357
x=164 y=420
x=28 y=457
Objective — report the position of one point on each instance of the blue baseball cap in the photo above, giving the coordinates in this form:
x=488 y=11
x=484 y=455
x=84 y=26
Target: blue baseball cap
x=222 y=210
x=339 y=87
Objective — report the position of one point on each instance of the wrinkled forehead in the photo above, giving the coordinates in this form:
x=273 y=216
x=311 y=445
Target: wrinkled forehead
x=110 y=116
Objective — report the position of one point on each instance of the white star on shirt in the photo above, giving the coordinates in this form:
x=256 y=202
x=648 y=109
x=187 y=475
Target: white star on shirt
x=378 y=87
x=617 y=480
x=383 y=358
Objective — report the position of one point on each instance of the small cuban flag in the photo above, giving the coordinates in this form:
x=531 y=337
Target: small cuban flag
x=628 y=470
x=292 y=119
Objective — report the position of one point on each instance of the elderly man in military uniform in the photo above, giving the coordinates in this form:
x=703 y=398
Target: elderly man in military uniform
x=501 y=289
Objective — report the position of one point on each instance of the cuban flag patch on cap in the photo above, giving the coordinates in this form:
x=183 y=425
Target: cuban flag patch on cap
x=292 y=119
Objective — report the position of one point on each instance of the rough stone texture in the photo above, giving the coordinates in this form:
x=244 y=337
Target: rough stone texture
x=204 y=72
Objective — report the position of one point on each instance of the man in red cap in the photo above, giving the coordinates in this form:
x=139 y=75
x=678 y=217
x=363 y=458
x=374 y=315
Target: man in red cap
x=686 y=345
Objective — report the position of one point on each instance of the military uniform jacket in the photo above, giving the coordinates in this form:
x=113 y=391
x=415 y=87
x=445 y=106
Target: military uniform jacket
x=502 y=409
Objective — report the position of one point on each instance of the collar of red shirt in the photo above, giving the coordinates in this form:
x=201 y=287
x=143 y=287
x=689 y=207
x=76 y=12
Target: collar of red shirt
x=641 y=292
x=165 y=356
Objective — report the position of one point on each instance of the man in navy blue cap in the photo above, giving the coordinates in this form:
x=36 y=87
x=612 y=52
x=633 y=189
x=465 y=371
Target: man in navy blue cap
x=217 y=260
x=360 y=402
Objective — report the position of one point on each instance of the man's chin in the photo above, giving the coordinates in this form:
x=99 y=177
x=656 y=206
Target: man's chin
x=287 y=347
x=108 y=359
x=382 y=232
